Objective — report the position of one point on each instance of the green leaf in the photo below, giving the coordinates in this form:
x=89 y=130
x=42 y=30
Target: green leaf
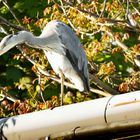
x=4 y=10
x=33 y=103
x=19 y=6
x=13 y=73
x=24 y=83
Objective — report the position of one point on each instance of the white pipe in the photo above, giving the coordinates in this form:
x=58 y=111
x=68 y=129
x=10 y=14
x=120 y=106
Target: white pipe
x=100 y=113
x=123 y=108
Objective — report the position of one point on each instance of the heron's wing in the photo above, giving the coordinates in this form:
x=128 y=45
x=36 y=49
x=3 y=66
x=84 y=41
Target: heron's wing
x=73 y=49
x=60 y=38
x=71 y=44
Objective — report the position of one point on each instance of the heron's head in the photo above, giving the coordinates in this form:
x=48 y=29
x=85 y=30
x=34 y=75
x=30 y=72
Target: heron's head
x=6 y=44
x=9 y=41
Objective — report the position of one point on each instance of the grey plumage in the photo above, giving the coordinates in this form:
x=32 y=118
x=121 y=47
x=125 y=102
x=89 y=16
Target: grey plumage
x=62 y=48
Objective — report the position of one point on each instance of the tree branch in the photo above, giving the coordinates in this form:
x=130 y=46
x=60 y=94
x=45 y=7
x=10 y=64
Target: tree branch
x=105 y=21
x=102 y=85
x=124 y=48
x=10 y=9
x=103 y=9
x=92 y=15
x=71 y=24
x=5 y=95
x=7 y=23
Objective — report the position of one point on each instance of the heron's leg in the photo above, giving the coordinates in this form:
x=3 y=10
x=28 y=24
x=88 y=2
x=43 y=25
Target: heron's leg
x=62 y=88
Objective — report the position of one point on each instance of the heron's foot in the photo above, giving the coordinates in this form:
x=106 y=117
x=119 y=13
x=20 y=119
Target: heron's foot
x=61 y=99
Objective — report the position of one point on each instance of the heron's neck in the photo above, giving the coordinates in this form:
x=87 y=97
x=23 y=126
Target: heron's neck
x=29 y=39
x=39 y=42
x=45 y=42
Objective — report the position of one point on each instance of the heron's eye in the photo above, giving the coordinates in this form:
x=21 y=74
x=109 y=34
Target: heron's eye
x=5 y=41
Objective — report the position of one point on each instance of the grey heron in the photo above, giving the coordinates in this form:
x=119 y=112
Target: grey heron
x=62 y=48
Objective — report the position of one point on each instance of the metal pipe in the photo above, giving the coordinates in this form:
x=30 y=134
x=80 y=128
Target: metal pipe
x=100 y=114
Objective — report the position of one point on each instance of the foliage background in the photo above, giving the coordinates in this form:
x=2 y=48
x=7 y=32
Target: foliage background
x=109 y=31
